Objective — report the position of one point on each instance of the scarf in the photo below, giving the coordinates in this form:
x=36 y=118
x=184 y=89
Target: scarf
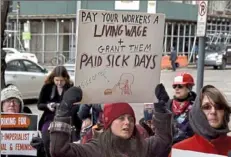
x=180 y=107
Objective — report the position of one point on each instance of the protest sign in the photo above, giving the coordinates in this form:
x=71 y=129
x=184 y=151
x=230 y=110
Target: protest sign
x=118 y=55
x=17 y=130
x=184 y=153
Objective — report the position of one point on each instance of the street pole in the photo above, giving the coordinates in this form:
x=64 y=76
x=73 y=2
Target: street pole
x=3 y=16
x=201 y=33
x=17 y=26
x=3 y=19
x=78 y=7
x=200 y=66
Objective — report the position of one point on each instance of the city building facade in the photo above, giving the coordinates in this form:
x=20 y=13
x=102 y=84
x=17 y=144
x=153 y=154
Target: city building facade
x=52 y=24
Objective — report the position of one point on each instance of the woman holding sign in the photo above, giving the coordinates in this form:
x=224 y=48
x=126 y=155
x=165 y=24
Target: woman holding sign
x=209 y=118
x=120 y=136
x=12 y=106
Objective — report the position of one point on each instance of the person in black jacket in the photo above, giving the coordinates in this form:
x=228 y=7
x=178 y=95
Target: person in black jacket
x=38 y=142
x=50 y=96
x=85 y=112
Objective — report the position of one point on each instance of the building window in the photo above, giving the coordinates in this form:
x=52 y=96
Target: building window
x=127 y=5
x=218 y=31
x=50 y=37
x=179 y=35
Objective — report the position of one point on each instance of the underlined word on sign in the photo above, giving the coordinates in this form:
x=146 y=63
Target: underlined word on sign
x=119 y=30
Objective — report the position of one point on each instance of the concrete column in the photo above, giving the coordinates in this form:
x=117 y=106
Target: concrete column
x=166 y=37
x=172 y=34
x=178 y=38
x=43 y=41
x=183 y=48
x=72 y=51
x=57 y=35
x=189 y=41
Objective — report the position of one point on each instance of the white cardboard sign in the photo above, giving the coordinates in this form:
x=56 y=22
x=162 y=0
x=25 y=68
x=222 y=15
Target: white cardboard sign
x=17 y=131
x=184 y=153
x=18 y=142
x=118 y=55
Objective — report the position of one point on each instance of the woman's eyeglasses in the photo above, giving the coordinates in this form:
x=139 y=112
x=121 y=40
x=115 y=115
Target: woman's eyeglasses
x=177 y=86
x=12 y=100
x=207 y=107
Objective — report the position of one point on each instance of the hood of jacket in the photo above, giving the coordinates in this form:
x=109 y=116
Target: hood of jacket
x=200 y=124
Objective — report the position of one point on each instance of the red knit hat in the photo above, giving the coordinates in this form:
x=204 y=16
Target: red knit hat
x=114 y=111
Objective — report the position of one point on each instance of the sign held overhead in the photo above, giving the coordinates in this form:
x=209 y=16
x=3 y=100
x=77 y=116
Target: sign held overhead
x=118 y=55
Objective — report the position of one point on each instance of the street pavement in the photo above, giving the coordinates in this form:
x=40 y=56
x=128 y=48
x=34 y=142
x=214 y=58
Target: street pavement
x=219 y=78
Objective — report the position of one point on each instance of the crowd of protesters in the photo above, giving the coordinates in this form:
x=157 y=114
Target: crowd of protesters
x=187 y=121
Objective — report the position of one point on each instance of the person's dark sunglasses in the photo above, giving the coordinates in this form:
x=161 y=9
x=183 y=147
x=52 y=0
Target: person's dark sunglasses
x=177 y=86
x=209 y=107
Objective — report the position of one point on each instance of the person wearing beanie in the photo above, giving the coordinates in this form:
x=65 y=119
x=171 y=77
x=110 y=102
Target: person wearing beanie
x=120 y=136
x=11 y=100
x=97 y=129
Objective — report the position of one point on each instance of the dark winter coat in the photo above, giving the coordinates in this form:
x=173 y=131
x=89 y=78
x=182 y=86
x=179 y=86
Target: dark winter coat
x=47 y=95
x=84 y=112
x=61 y=145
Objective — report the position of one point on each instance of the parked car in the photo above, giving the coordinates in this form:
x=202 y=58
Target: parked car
x=27 y=75
x=14 y=53
x=217 y=56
